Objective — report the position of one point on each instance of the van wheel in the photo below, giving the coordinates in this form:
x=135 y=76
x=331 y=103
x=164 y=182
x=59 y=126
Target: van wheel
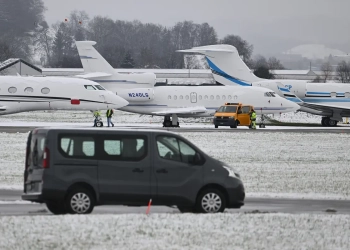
x=211 y=200
x=216 y=126
x=55 y=207
x=186 y=209
x=80 y=201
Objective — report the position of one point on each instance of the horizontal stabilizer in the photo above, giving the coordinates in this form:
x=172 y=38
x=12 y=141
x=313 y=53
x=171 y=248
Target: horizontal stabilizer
x=183 y=111
x=94 y=75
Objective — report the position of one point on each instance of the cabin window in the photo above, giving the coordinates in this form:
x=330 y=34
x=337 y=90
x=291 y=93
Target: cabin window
x=89 y=87
x=206 y=97
x=200 y=97
x=175 y=97
x=28 y=90
x=211 y=97
x=169 y=97
x=99 y=87
x=45 y=90
x=181 y=97
x=217 y=97
x=229 y=97
x=12 y=90
x=223 y=97
x=187 y=97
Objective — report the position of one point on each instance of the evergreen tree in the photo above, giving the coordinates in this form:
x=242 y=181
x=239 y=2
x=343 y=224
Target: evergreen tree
x=128 y=61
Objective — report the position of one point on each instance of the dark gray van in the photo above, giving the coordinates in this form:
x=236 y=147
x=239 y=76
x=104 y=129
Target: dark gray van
x=72 y=170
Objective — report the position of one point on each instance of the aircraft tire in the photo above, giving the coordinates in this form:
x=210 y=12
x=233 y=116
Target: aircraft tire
x=332 y=123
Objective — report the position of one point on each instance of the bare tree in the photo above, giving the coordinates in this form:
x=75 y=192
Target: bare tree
x=274 y=63
x=244 y=48
x=327 y=71
x=43 y=40
x=343 y=72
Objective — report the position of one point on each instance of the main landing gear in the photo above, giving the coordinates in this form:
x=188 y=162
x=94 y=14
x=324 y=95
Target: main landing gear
x=328 y=122
x=171 y=122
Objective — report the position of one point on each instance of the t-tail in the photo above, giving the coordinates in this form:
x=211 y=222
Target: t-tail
x=227 y=66
x=92 y=61
x=96 y=68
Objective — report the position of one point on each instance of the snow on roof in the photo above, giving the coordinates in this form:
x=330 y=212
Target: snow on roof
x=12 y=61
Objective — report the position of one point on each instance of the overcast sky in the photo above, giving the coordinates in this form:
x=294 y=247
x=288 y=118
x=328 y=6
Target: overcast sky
x=270 y=25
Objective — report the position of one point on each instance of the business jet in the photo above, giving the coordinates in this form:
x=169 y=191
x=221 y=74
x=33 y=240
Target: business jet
x=22 y=94
x=329 y=100
x=172 y=101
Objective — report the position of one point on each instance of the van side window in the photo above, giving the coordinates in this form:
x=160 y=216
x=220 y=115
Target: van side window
x=245 y=109
x=124 y=148
x=171 y=148
x=74 y=146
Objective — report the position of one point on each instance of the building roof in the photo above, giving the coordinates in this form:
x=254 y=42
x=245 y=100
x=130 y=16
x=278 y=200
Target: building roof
x=12 y=61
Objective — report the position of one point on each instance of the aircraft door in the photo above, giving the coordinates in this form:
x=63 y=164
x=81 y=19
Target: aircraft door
x=193 y=97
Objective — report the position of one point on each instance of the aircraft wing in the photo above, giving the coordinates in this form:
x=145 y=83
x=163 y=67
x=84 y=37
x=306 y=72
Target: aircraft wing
x=181 y=111
x=344 y=111
x=94 y=75
x=2 y=108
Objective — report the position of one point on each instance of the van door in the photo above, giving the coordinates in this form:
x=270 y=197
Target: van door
x=178 y=178
x=244 y=117
x=124 y=169
x=35 y=154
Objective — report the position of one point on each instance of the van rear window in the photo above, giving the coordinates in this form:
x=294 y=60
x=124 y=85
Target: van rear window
x=75 y=146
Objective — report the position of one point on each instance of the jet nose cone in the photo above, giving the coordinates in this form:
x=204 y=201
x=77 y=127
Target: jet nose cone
x=118 y=102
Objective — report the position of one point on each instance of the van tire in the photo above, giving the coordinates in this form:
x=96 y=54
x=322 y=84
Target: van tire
x=55 y=207
x=216 y=126
x=83 y=195
x=210 y=194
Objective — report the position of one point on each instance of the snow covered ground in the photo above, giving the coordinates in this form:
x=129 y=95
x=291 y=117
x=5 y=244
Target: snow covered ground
x=176 y=231
x=307 y=165
x=125 y=117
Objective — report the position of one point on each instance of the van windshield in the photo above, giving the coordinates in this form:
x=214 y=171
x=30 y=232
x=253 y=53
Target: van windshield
x=228 y=109
x=36 y=150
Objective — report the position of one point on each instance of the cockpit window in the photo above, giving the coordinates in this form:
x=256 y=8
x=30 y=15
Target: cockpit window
x=89 y=87
x=267 y=94
x=99 y=87
x=273 y=94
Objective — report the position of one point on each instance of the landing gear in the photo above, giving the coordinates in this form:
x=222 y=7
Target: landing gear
x=328 y=122
x=168 y=122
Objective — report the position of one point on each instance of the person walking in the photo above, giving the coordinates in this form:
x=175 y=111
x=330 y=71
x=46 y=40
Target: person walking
x=109 y=115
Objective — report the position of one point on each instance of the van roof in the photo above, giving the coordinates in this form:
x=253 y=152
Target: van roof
x=105 y=129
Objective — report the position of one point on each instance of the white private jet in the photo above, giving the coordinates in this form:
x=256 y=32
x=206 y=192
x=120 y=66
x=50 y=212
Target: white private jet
x=174 y=101
x=330 y=100
x=22 y=94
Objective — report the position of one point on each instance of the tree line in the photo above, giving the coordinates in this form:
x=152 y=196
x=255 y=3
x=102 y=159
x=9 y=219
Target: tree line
x=25 y=34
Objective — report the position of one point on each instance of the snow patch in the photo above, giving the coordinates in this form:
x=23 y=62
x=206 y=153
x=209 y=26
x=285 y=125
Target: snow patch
x=176 y=231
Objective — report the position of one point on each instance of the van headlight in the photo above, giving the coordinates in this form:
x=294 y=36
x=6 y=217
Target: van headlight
x=231 y=172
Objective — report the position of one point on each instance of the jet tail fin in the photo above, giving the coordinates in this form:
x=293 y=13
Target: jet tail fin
x=91 y=59
x=227 y=66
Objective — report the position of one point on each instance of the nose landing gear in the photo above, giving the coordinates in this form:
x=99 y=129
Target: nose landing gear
x=168 y=122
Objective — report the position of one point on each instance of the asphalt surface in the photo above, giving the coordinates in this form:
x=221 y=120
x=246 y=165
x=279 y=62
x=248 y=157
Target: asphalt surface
x=11 y=205
x=275 y=129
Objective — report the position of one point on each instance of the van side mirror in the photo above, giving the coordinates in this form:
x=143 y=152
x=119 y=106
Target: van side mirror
x=197 y=158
